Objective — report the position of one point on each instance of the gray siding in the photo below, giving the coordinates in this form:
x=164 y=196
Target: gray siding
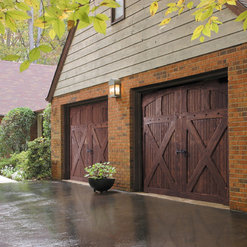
x=137 y=44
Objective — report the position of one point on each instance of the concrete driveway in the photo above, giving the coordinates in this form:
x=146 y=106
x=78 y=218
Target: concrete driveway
x=65 y=214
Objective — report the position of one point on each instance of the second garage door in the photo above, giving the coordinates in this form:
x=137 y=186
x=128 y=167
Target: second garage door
x=185 y=143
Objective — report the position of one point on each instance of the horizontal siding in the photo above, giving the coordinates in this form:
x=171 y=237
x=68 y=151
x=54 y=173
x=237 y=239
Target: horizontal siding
x=137 y=44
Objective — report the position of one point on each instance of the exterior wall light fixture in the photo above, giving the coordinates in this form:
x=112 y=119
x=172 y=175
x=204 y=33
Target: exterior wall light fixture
x=114 y=88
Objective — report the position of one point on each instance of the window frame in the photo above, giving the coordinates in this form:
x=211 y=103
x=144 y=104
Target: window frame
x=113 y=20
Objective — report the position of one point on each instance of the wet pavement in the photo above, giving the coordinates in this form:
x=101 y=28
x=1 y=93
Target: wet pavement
x=65 y=214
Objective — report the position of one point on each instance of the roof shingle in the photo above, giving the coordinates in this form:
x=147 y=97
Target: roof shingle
x=24 y=89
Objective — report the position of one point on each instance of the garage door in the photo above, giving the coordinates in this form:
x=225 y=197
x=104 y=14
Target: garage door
x=185 y=145
x=88 y=137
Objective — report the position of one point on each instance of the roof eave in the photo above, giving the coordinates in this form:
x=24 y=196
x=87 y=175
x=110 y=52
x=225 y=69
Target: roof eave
x=238 y=8
x=61 y=62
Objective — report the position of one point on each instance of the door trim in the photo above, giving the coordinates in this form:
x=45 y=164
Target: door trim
x=66 y=148
x=136 y=99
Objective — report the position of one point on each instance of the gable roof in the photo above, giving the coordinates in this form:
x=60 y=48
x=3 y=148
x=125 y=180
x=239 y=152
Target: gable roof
x=239 y=8
x=24 y=89
x=61 y=62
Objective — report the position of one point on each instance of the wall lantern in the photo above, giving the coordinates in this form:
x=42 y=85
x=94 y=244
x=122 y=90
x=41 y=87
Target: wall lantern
x=114 y=88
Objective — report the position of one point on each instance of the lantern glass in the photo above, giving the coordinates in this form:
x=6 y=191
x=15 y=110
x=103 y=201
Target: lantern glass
x=114 y=88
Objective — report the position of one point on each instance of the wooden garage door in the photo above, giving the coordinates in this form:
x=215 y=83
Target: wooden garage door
x=185 y=145
x=88 y=137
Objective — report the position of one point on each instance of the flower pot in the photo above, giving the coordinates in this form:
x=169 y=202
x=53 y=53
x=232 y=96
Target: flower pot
x=102 y=184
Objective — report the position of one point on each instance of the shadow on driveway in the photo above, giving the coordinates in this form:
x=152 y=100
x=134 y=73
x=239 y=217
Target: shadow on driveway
x=65 y=214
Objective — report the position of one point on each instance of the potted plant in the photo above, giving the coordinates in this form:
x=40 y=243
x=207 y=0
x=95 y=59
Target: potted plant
x=100 y=176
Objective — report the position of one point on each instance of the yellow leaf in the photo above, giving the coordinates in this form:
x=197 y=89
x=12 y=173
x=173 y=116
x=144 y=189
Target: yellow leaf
x=231 y=2
x=165 y=21
x=63 y=16
x=190 y=5
x=180 y=3
x=153 y=8
x=221 y=2
x=202 y=39
x=181 y=10
x=197 y=32
x=52 y=34
x=40 y=23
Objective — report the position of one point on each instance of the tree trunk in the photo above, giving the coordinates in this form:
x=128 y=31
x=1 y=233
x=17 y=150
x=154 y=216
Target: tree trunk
x=40 y=30
x=30 y=30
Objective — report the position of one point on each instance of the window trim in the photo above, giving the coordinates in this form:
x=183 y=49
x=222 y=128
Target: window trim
x=114 y=21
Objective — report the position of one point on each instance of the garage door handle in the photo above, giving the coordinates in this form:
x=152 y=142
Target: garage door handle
x=89 y=151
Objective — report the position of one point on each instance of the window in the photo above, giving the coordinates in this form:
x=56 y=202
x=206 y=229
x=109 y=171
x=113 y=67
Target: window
x=118 y=14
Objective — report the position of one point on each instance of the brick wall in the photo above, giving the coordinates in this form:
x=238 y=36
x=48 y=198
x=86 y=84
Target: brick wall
x=120 y=133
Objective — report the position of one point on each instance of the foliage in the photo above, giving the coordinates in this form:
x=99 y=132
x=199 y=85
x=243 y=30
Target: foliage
x=39 y=159
x=47 y=122
x=12 y=167
x=204 y=13
x=100 y=170
x=35 y=163
x=8 y=171
x=15 y=130
x=56 y=16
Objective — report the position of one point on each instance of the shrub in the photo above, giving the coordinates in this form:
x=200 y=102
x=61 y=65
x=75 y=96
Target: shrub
x=13 y=167
x=47 y=122
x=15 y=130
x=39 y=159
x=8 y=171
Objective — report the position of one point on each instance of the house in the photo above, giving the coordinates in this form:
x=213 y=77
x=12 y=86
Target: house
x=180 y=125
x=25 y=89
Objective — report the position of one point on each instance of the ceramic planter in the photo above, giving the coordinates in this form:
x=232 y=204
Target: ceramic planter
x=102 y=184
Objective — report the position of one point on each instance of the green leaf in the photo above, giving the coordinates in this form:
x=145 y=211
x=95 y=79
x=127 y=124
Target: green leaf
x=34 y=54
x=11 y=57
x=110 y=4
x=206 y=14
x=190 y=5
x=94 y=8
x=197 y=32
x=10 y=23
x=2 y=28
x=245 y=24
x=45 y=48
x=18 y=15
x=83 y=2
x=215 y=27
x=52 y=34
x=25 y=65
x=99 y=26
x=82 y=25
x=207 y=30
x=22 y=6
x=242 y=16
x=59 y=27
x=102 y=17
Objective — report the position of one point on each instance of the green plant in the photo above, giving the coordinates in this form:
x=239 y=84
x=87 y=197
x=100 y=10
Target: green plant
x=8 y=171
x=47 y=122
x=12 y=167
x=39 y=159
x=15 y=130
x=100 y=170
